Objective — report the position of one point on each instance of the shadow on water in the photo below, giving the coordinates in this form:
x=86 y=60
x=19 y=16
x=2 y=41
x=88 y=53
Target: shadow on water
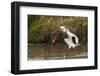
x=55 y=52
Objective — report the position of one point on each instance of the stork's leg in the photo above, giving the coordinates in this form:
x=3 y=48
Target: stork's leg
x=74 y=46
x=69 y=46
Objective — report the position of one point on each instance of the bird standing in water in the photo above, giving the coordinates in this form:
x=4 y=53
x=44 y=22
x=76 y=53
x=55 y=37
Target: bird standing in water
x=72 y=39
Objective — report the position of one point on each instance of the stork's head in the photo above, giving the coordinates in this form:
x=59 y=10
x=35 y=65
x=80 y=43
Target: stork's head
x=63 y=28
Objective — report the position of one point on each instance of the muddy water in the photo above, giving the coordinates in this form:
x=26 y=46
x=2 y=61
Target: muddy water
x=55 y=52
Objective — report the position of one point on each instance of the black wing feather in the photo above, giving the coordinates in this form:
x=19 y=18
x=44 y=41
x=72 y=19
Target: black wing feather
x=74 y=40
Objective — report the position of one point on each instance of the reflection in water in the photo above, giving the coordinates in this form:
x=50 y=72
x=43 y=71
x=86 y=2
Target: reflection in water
x=54 y=52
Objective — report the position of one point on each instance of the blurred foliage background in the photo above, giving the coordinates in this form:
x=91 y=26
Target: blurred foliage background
x=42 y=29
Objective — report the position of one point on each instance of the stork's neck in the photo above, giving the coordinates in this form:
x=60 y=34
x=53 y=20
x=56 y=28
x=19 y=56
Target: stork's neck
x=68 y=32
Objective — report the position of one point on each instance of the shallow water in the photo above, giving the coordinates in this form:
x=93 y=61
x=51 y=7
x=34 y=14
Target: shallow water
x=55 y=52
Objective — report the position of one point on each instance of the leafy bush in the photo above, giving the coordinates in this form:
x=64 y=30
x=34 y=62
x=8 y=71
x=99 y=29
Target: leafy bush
x=41 y=28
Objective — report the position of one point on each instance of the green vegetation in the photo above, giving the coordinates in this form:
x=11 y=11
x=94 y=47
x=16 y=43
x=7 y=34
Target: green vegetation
x=41 y=28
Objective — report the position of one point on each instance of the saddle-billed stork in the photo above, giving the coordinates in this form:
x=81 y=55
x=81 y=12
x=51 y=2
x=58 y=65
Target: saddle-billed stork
x=72 y=39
